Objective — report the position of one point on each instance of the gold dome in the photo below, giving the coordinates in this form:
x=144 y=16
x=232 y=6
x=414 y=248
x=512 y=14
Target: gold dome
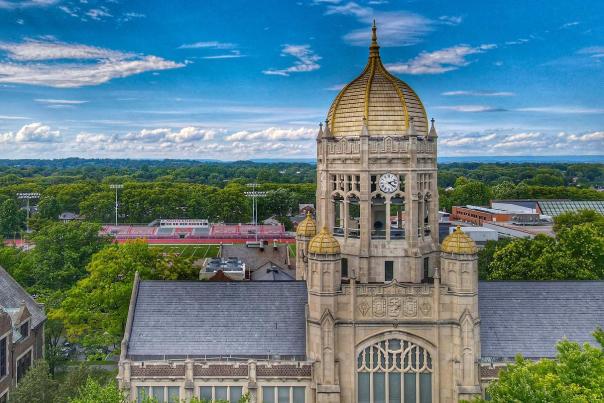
x=307 y=227
x=387 y=103
x=324 y=243
x=460 y=243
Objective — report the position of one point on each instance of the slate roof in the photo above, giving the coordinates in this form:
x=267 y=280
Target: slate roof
x=273 y=273
x=198 y=318
x=530 y=317
x=254 y=258
x=12 y=294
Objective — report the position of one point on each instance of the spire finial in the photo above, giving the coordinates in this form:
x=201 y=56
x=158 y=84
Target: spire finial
x=374 y=49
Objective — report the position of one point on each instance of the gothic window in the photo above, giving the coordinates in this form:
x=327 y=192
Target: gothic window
x=344 y=266
x=378 y=217
x=394 y=371
x=338 y=215
x=397 y=216
x=353 y=216
x=388 y=270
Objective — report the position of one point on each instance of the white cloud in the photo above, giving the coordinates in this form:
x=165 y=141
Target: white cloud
x=208 y=45
x=306 y=60
x=32 y=133
x=11 y=117
x=184 y=135
x=569 y=24
x=15 y=4
x=520 y=41
x=596 y=52
x=563 y=110
x=439 y=61
x=98 y=13
x=60 y=101
x=73 y=65
x=274 y=133
x=478 y=93
x=335 y=87
x=511 y=142
x=395 y=28
x=38 y=50
x=233 y=55
x=471 y=108
x=451 y=19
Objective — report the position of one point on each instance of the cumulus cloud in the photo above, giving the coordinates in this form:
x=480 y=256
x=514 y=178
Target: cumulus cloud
x=306 y=60
x=32 y=133
x=510 y=142
x=184 y=135
x=64 y=65
x=440 y=61
x=273 y=133
x=396 y=28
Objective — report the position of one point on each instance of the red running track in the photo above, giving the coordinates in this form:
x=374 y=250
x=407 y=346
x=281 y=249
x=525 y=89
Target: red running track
x=201 y=241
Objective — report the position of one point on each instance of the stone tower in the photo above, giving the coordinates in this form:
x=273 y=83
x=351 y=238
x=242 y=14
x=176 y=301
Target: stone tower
x=381 y=324
x=376 y=177
x=307 y=229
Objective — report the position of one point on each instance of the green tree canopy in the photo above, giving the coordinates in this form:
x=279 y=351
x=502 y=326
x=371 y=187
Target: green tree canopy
x=12 y=218
x=95 y=310
x=572 y=218
x=575 y=376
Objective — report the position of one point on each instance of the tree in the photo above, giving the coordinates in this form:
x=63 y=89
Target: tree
x=37 y=386
x=49 y=208
x=60 y=257
x=486 y=256
x=95 y=309
x=12 y=219
x=576 y=375
x=469 y=191
x=99 y=207
x=95 y=392
x=572 y=218
x=576 y=254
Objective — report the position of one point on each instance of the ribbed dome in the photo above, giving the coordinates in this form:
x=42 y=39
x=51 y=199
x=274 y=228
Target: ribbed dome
x=307 y=227
x=385 y=101
x=324 y=243
x=459 y=243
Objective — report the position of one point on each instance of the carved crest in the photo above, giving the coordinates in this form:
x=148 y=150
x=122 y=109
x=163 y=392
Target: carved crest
x=364 y=308
x=394 y=306
x=379 y=307
x=425 y=308
x=410 y=306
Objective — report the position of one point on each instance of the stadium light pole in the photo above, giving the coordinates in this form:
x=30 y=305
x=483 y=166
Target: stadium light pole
x=28 y=197
x=254 y=194
x=116 y=186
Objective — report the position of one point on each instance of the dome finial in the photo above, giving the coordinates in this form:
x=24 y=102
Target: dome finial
x=374 y=49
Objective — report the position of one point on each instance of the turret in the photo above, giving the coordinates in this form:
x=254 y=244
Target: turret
x=306 y=230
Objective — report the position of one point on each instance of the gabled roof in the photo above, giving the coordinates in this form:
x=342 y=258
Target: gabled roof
x=200 y=318
x=12 y=295
x=530 y=317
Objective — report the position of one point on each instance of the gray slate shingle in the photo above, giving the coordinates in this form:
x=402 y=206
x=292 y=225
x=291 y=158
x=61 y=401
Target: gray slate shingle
x=530 y=317
x=219 y=318
x=11 y=295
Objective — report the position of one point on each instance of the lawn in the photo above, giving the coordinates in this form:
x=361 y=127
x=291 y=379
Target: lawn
x=194 y=251
x=292 y=249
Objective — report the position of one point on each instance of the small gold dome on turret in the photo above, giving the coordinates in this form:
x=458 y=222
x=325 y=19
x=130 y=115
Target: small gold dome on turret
x=307 y=227
x=324 y=243
x=459 y=243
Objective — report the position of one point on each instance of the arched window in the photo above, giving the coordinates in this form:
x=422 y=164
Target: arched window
x=394 y=371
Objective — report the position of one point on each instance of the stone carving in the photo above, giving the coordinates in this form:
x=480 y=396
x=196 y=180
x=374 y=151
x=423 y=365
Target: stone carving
x=379 y=307
x=410 y=307
x=364 y=308
x=394 y=307
x=425 y=308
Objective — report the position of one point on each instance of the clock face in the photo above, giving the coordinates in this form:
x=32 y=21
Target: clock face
x=388 y=183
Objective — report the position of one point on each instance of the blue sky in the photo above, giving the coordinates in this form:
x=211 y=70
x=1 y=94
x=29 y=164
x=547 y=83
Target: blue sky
x=239 y=79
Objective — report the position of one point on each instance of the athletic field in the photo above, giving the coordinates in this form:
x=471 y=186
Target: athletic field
x=196 y=251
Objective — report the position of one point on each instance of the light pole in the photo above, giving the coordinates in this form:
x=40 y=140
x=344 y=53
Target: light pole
x=254 y=194
x=28 y=197
x=116 y=187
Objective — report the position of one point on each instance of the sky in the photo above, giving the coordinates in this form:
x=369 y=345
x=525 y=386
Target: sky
x=228 y=80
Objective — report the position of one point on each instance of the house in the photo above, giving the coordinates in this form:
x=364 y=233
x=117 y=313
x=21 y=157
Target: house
x=21 y=333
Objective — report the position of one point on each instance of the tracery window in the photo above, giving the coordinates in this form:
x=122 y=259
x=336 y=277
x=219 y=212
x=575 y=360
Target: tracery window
x=394 y=371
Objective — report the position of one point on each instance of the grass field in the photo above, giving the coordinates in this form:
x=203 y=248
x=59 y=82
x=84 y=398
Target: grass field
x=194 y=251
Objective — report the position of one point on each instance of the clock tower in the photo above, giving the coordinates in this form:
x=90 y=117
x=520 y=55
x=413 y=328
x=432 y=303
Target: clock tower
x=376 y=178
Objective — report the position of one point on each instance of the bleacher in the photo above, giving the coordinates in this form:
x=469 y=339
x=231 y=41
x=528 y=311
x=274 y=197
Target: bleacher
x=216 y=231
